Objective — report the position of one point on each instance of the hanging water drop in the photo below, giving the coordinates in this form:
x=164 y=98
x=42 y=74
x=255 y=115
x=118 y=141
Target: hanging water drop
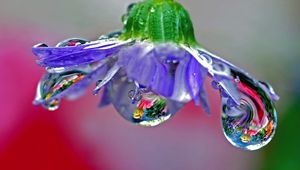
x=250 y=125
x=140 y=105
x=53 y=85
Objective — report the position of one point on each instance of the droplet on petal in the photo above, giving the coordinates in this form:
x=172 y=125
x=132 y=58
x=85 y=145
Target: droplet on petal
x=53 y=85
x=250 y=125
x=140 y=105
x=71 y=42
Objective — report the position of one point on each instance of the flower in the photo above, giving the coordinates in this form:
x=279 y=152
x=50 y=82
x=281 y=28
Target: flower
x=151 y=68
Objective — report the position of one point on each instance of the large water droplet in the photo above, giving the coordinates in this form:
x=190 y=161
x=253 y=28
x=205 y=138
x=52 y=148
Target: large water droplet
x=250 y=125
x=140 y=105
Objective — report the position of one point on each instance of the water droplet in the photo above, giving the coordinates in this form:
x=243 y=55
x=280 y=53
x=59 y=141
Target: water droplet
x=40 y=45
x=114 y=34
x=250 y=125
x=215 y=85
x=130 y=6
x=56 y=70
x=124 y=19
x=52 y=105
x=152 y=10
x=71 y=42
x=53 y=84
x=140 y=105
x=141 y=22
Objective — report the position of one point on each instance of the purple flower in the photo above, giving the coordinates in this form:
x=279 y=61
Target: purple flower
x=151 y=68
x=174 y=72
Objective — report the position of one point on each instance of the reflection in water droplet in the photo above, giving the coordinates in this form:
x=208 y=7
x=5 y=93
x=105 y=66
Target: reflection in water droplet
x=140 y=105
x=53 y=85
x=151 y=109
x=71 y=42
x=250 y=125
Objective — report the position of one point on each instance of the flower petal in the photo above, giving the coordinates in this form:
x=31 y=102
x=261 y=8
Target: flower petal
x=195 y=77
x=110 y=74
x=165 y=68
x=105 y=98
x=181 y=90
x=76 y=55
x=204 y=101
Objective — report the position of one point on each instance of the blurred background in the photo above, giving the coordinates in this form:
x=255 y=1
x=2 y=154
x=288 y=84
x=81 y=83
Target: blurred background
x=261 y=37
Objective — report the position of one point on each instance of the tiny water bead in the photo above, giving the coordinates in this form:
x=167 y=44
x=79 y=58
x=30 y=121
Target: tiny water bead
x=250 y=125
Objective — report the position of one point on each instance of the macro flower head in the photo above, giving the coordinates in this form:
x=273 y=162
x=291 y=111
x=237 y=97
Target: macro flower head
x=151 y=68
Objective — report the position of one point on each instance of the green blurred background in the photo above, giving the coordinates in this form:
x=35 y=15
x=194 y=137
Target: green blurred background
x=262 y=37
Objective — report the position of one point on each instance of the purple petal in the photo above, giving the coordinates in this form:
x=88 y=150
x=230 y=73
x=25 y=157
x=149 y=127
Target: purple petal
x=105 y=98
x=109 y=75
x=181 y=90
x=195 y=77
x=165 y=68
x=204 y=100
x=76 y=55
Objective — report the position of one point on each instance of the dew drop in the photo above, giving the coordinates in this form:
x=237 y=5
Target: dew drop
x=124 y=19
x=71 y=42
x=140 y=105
x=52 y=85
x=250 y=125
x=152 y=10
x=141 y=22
x=130 y=6
x=151 y=110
